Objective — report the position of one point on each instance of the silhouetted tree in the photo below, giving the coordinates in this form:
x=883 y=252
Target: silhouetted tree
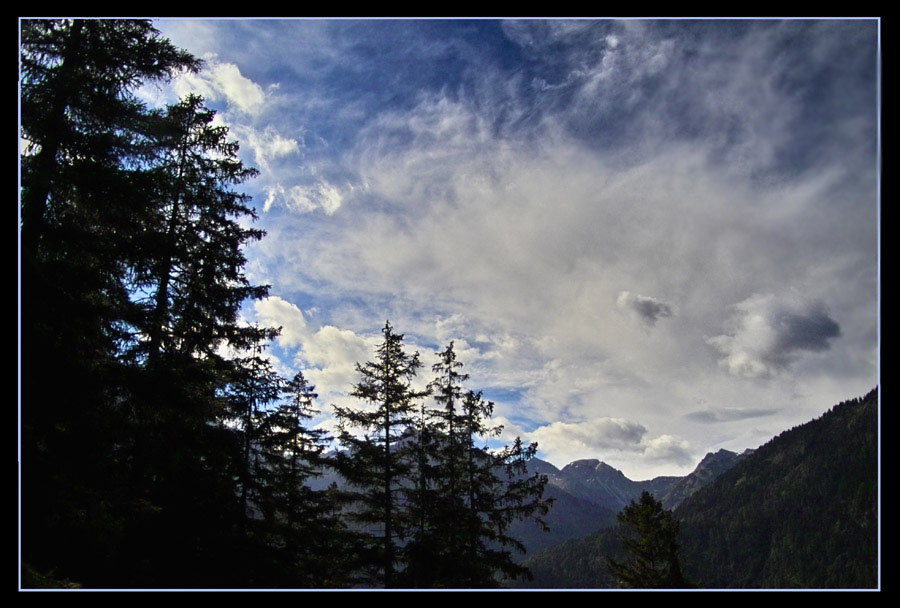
x=132 y=279
x=377 y=459
x=87 y=141
x=301 y=524
x=649 y=535
x=477 y=492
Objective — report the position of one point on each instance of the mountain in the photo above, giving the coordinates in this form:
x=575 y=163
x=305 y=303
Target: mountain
x=799 y=512
x=571 y=516
x=712 y=465
x=598 y=483
x=587 y=494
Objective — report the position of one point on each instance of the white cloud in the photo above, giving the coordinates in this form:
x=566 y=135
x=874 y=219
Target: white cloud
x=222 y=80
x=327 y=355
x=597 y=435
x=267 y=144
x=305 y=199
x=277 y=312
x=669 y=449
x=612 y=440
x=652 y=170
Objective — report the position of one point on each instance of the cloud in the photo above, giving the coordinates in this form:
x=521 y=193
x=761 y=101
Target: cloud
x=598 y=434
x=222 y=80
x=305 y=199
x=609 y=439
x=327 y=355
x=669 y=449
x=728 y=414
x=267 y=144
x=648 y=309
x=506 y=191
x=277 y=312
x=768 y=333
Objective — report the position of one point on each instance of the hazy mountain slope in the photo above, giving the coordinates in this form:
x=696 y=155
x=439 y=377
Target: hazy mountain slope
x=570 y=517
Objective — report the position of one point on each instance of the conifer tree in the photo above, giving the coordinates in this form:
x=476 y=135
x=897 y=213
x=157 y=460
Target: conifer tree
x=302 y=523
x=87 y=141
x=433 y=553
x=132 y=277
x=498 y=491
x=474 y=493
x=649 y=535
x=376 y=460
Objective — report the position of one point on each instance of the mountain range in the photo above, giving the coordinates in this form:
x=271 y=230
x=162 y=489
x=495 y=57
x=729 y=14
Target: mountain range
x=589 y=493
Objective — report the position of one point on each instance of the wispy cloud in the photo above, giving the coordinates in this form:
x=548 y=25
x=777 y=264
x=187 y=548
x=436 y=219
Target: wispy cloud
x=613 y=219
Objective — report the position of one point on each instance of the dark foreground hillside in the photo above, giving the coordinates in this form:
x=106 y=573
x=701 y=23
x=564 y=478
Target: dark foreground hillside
x=800 y=512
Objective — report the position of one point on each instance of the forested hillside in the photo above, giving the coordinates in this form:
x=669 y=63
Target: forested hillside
x=799 y=512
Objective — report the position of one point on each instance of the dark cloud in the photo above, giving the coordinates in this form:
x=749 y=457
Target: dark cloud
x=648 y=309
x=807 y=330
x=768 y=334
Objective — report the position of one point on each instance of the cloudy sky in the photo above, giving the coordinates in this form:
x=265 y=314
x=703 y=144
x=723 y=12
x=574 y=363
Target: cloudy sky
x=648 y=239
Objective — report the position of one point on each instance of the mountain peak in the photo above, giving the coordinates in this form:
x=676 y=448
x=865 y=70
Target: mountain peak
x=583 y=464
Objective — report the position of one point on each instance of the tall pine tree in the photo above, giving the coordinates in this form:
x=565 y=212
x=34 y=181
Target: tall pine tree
x=376 y=459
x=302 y=524
x=87 y=141
x=498 y=491
x=132 y=280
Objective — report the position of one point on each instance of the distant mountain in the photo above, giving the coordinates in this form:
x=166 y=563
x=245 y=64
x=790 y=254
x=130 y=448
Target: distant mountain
x=799 y=512
x=587 y=494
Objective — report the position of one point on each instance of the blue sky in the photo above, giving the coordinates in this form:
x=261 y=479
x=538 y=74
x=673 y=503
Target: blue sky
x=649 y=239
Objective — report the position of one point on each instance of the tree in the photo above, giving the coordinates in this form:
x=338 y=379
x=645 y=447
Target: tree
x=87 y=140
x=377 y=462
x=437 y=504
x=649 y=535
x=474 y=493
x=498 y=491
x=132 y=272
x=301 y=523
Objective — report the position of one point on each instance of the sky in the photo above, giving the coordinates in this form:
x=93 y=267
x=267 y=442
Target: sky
x=647 y=239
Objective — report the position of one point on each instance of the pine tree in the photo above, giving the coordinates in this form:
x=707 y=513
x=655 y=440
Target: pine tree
x=433 y=555
x=376 y=459
x=649 y=535
x=187 y=285
x=192 y=260
x=87 y=140
x=132 y=238
x=474 y=494
x=498 y=491
x=302 y=523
